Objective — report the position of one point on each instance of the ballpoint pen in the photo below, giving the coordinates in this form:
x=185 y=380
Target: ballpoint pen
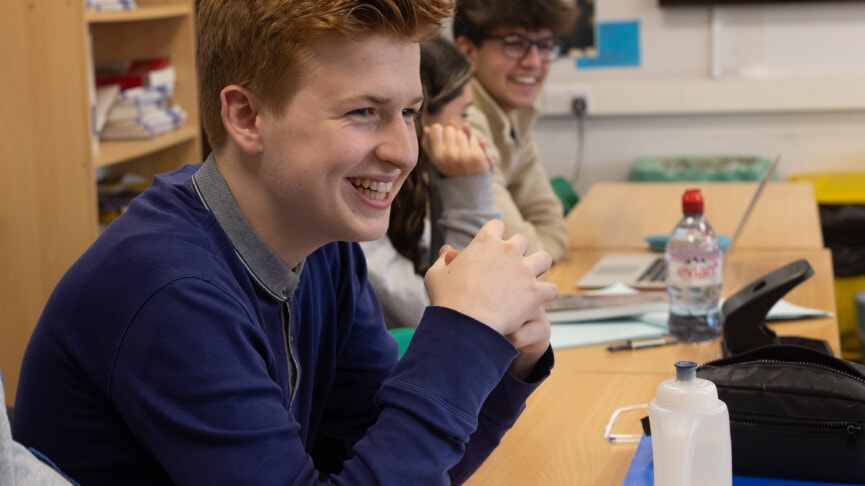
x=642 y=343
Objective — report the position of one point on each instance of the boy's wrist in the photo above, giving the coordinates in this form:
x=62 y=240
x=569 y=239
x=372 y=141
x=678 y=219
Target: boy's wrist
x=525 y=366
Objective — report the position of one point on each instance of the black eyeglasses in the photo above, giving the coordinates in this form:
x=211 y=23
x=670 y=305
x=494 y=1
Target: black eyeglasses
x=517 y=46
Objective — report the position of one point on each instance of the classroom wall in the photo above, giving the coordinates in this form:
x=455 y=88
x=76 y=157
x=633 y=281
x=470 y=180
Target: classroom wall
x=761 y=80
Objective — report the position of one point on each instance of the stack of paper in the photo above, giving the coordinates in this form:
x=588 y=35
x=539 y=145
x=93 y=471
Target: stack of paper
x=141 y=102
x=111 y=5
x=147 y=125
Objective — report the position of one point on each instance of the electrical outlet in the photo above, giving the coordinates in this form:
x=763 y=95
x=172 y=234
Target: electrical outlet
x=579 y=105
x=560 y=98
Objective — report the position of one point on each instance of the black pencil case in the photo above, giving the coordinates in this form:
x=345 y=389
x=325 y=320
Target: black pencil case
x=795 y=413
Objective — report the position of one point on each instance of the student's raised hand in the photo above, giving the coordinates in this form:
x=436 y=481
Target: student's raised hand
x=454 y=151
x=493 y=281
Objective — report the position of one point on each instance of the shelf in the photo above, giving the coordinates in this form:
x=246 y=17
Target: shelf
x=141 y=13
x=49 y=174
x=114 y=152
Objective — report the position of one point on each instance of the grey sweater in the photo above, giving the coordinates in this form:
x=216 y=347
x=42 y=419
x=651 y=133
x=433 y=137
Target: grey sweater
x=18 y=465
x=459 y=206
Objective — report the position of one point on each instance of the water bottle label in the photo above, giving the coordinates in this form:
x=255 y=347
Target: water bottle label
x=695 y=271
x=698 y=300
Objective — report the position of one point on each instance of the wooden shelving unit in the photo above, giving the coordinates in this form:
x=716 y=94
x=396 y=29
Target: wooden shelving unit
x=48 y=158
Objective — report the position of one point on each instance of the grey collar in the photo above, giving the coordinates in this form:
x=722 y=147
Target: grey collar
x=260 y=261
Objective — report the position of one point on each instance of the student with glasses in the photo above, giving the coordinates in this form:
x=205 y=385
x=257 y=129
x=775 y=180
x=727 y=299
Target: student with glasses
x=517 y=46
x=511 y=44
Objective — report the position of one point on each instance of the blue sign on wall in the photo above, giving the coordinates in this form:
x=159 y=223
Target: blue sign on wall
x=618 y=45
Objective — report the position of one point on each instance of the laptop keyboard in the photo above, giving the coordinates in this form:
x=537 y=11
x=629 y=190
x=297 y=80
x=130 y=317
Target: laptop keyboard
x=657 y=272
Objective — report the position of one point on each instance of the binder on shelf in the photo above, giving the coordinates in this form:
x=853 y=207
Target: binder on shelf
x=91 y=94
x=151 y=73
x=105 y=98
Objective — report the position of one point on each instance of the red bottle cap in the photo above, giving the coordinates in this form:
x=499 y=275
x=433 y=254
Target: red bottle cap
x=692 y=202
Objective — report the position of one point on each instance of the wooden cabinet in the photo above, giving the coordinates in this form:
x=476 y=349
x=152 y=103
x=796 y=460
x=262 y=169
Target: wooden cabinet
x=48 y=157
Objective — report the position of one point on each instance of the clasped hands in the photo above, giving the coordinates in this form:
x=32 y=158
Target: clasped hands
x=493 y=281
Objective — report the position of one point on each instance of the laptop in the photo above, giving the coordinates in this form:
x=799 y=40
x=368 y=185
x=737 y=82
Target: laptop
x=649 y=271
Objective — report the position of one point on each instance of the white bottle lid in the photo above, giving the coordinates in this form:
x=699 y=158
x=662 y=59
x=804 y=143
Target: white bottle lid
x=686 y=391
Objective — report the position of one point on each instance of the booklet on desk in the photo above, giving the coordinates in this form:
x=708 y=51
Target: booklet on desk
x=628 y=314
x=642 y=473
x=593 y=307
x=615 y=313
x=575 y=334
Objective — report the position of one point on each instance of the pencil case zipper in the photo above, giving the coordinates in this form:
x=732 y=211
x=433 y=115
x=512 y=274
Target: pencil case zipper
x=845 y=427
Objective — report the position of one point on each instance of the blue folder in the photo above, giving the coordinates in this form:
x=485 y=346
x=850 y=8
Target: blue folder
x=641 y=472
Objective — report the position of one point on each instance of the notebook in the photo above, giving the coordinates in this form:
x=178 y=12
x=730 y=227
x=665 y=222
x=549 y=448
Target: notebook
x=641 y=472
x=593 y=307
x=649 y=271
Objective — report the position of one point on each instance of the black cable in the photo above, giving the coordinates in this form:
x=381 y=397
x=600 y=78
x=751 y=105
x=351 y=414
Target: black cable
x=578 y=107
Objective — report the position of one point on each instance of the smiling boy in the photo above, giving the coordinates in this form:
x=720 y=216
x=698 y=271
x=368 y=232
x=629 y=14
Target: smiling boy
x=222 y=331
x=511 y=44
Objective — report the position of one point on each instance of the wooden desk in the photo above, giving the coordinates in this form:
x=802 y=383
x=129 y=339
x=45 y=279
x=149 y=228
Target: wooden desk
x=742 y=268
x=619 y=215
x=559 y=438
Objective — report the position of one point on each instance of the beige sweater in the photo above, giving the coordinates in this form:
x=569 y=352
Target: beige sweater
x=521 y=186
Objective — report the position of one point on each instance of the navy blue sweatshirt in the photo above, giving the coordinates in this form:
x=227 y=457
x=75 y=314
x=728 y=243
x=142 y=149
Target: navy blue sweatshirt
x=180 y=349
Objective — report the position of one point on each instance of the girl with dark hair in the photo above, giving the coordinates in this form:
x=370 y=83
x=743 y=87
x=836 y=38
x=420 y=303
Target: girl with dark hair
x=445 y=199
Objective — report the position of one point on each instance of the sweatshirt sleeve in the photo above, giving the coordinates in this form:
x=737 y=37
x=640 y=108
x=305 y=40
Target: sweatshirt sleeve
x=429 y=407
x=459 y=206
x=451 y=396
x=530 y=206
x=500 y=412
x=521 y=187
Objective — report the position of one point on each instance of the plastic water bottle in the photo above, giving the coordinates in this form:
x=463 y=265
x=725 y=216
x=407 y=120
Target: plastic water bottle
x=694 y=262
x=690 y=432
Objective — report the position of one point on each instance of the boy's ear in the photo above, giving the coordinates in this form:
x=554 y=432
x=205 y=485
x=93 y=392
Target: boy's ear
x=240 y=116
x=467 y=47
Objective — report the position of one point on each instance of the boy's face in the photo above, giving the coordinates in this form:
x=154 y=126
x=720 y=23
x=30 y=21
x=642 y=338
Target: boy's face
x=335 y=158
x=513 y=83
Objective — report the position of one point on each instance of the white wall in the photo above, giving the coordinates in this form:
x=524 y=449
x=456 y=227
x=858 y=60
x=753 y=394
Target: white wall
x=744 y=80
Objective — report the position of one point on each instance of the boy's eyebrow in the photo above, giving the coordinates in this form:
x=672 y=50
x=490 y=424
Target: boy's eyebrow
x=379 y=100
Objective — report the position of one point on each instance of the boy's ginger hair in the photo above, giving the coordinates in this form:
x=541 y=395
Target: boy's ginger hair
x=263 y=45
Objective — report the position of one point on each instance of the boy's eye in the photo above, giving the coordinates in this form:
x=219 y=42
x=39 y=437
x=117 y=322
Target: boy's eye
x=410 y=113
x=514 y=43
x=361 y=112
x=517 y=46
